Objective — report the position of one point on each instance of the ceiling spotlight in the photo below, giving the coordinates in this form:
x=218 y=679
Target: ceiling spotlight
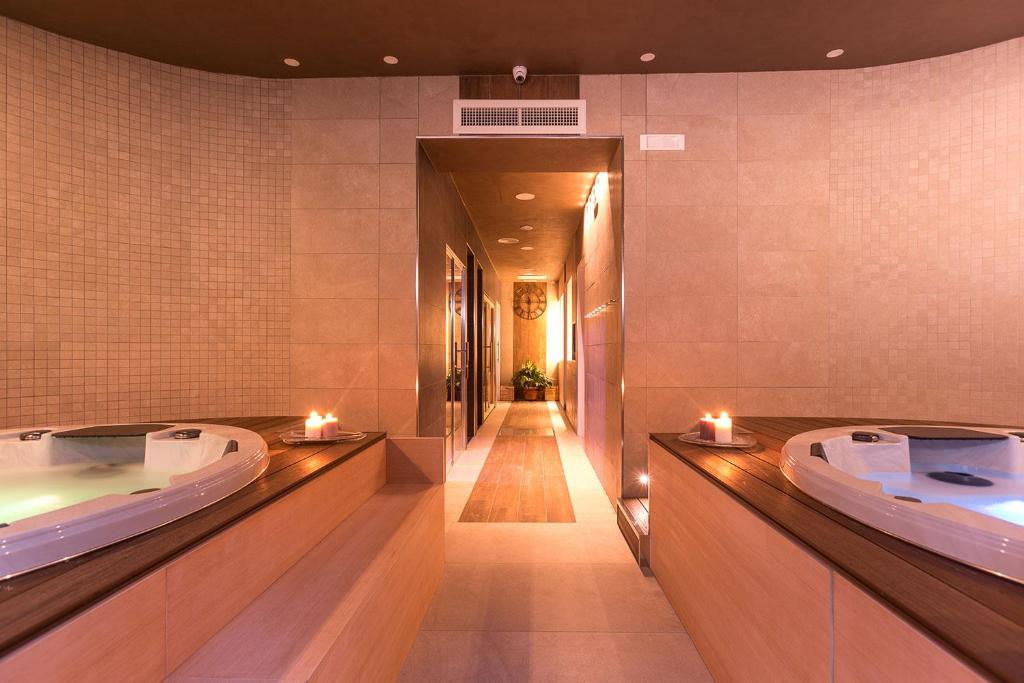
x=390 y=59
x=526 y=228
x=525 y=196
x=291 y=61
x=647 y=57
x=508 y=240
x=526 y=248
x=832 y=54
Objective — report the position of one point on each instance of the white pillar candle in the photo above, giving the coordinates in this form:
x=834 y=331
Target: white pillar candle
x=330 y=426
x=723 y=428
x=314 y=426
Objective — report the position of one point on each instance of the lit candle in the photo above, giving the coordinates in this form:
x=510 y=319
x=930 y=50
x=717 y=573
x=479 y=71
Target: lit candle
x=723 y=428
x=707 y=428
x=314 y=426
x=330 y=427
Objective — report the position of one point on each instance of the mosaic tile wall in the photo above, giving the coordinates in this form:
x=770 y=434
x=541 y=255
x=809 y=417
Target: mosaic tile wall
x=146 y=237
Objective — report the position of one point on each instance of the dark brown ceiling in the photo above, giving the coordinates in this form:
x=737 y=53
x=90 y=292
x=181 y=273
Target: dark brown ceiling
x=349 y=37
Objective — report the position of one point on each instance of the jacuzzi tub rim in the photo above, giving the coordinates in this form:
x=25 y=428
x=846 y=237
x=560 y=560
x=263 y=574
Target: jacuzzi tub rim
x=81 y=526
x=865 y=498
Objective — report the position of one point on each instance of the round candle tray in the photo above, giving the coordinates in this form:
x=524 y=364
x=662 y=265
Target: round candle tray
x=298 y=436
x=739 y=440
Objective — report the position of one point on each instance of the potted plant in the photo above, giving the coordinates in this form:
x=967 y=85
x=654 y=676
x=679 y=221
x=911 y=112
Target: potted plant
x=531 y=380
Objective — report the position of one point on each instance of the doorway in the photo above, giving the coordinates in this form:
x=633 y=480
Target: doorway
x=533 y=228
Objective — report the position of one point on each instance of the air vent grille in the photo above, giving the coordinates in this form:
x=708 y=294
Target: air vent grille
x=520 y=117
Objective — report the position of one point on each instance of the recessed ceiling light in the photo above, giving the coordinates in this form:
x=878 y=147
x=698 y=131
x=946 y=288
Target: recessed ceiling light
x=527 y=228
x=526 y=248
x=647 y=57
x=390 y=59
x=291 y=61
x=525 y=196
x=508 y=240
x=832 y=54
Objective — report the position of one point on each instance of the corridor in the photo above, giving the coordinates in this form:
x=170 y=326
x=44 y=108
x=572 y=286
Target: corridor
x=528 y=601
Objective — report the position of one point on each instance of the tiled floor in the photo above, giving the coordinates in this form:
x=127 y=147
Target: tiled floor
x=546 y=602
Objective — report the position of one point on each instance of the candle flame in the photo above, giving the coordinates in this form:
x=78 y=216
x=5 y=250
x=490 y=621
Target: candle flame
x=707 y=416
x=328 y=416
x=313 y=415
x=723 y=415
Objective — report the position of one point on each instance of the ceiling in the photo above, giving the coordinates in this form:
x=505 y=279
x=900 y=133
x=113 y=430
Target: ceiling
x=490 y=172
x=555 y=215
x=350 y=38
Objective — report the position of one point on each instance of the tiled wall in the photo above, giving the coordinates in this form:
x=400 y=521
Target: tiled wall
x=840 y=243
x=353 y=254
x=828 y=243
x=144 y=255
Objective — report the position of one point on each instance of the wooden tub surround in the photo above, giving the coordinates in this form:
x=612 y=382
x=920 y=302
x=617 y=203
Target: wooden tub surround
x=772 y=584
x=320 y=570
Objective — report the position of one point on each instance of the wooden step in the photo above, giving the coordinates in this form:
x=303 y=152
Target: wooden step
x=349 y=609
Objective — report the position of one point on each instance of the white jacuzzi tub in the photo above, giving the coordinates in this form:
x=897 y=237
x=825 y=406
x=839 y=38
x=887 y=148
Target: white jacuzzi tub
x=956 y=491
x=69 y=490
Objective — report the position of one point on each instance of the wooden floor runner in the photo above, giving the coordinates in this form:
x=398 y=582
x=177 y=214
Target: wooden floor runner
x=522 y=479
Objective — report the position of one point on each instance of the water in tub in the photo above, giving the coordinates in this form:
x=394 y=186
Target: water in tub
x=41 y=476
x=995 y=465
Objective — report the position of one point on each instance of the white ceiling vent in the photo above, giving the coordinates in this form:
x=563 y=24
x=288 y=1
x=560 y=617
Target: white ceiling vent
x=519 y=117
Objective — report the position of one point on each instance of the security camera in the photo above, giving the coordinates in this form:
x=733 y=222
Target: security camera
x=519 y=74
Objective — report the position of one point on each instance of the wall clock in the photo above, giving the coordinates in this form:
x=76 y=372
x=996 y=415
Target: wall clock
x=531 y=301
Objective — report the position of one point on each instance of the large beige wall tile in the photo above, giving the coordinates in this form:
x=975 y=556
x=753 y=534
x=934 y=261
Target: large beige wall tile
x=356 y=408
x=398 y=186
x=782 y=401
x=873 y=644
x=399 y=97
x=335 y=276
x=336 y=141
x=349 y=366
x=604 y=103
x=335 y=231
x=634 y=94
x=784 y=92
x=398 y=141
x=783 y=228
x=790 y=137
x=341 y=321
x=707 y=137
x=678 y=409
x=750 y=614
x=680 y=94
x=336 y=98
x=784 y=364
x=398 y=276
x=398 y=231
x=397 y=321
x=398 y=412
x=335 y=186
x=708 y=318
x=691 y=364
x=398 y=365
x=691 y=228
x=682 y=183
x=781 y=318
x=691 y=273
x=783 y=273
x=435 y=104
x=119 y=639
x=783 y=182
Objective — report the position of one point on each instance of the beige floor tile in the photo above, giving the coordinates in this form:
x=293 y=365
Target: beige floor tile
x=457 y=656
x=536 y=543
x=549 y=597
